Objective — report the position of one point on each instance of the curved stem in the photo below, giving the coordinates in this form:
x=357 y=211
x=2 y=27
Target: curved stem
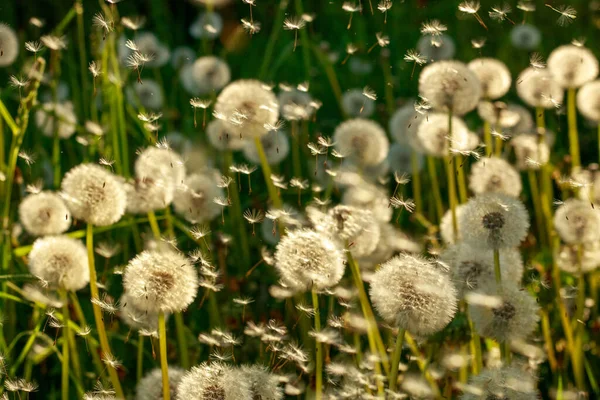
x=164 y=367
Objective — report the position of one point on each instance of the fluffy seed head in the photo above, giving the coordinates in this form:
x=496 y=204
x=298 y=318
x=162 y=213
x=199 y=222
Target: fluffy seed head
x=150 y=386
x=569 y=261
x=588 y=100
x=146 y=43
x=447 y=228
x=305 y=258
x=529 y=152
x=211 y=74
x=450 y=85
x=56 y=117
x=577 y=222
x=495 y=175
x=370 y=197
x=525 y=37
x=399 y=122
x=499 y=114
x=572 y=66
x=362 y=141
x=60 y=261
x=136 y=318
x=208 y=25
x=214 y=381
x=247 y=106
x=507 y=382
x=414 y=294
x=437 y=48
x=538 y=88
x=263 y=384
x=275 y=144
x=145 y=195
x=222 y=138
x=44 y=213
x=494 y=221
x=434 y=139
x=355 y=104
x=194 y=199
x=160 y=281
x=160 y=164
x=295 y=105
x=494 y=77
x=9 y=45
x=94 y=195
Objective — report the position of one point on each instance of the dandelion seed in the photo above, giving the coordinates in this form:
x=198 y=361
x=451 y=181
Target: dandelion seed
x=472 y=7
x=254 y=217
x=500 y=13
x=251 y=27
x=400 y=202
x=101 y=22
x=294 y=24
x=111 y=361
x=133 y=23
x=567 y=14
x=18 y=83
x=55 y=43
x=34 y=47
x=384 y=6
x=27 y=157
x=433 y=28
x=351 y=8
x=416 y=58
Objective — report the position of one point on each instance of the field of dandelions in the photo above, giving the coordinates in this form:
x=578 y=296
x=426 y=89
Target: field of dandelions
x=269 y=199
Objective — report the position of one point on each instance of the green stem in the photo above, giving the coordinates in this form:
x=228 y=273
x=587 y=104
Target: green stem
x=277 y=26
x=573 y=135
x=296 y=166
x=318 y=347
x=435 y=187
x=331 y=76
x=487 y=137
x=139 y=371
x=497 y=270
x=164 y=366
x=416 y=182
x=273 y=195
x=393 y=377
x=65 y=347
x=535 y=199
x=460 y=174
x=449 y=165
x=548 y=339
x=236 y=207
x=181 y=340
x=92 y=343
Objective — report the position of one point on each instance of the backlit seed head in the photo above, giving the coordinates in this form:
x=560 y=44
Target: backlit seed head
x=150 y=386
x=437 y=48
x=182 y=55
x=9 y=45
x=211 y=74
x=399 y=159
x=399 y=123
x=525 y=124
x=499 y=114
x=296 y=105
x=494 y=221
x=94 y=195
x=539 y=88
x=446 y=225
x=525 y=37
x=413 y=293
x=263 y=384
x=495 y=175
x=60 y=261
x=44 y=213
x=470 y=265
x=145 y=195
x=512 y=382
x=569 y=261
x=572 y=66
x=214 y=381
x=588 y=100
x=276 y=145
x=392 y=241
x=367 y=196
x=450 y=85
x=494 y=77
x=247 y=106
x=362 y=142
x=504 y=313
x=222 y=138
x=355 y=104
x=159 y=163
x=135 y=317
x=56 y=117
x=434 y=139
x=208 y=25
x=164 y=281
x=194 y=198
x=529 y=152
x=305 y=258
x=577 y=222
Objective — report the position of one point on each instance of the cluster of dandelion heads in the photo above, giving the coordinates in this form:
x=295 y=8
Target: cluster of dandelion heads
x=94 y=195
x=147 y=194
x=361 y=142
x=214 y=381
x=195 y=198
x=572 y=66
x=577 y=222
x=450 y=86
x=56 y=117
x=247 y=106
x=150 y=386
x=305 y=259
x=471 y=265
x=413 y=293
x=588 y=100
x=538 y=88
x=493 y=75
x=506 y=382
x=530 y=152
x=9 y=45
x=433 y=138
x=495 y=175
x=503 y=312
x=263 y=384
x=61 y=261
x=210 y=74
x=494 y=221
x=222 y=138
x=44 y=213
x=276 y=146
x=160 y=281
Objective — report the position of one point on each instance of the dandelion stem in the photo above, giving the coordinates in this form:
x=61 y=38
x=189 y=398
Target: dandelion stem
x=498 y=141
x=65 y=347
x=535 y=199
x=318 y=347
x=275 y=199
x=104 y=345
x=578 y=325
x=548 y=339
x=393 y=377
x=460 y=174
x=487 y=137
x=140 y=358
x=435 y=187
x=573 y=135
x=92 y=343
x=237 y=208
x=305 y=43
x=449 y=165
x=497 y=270
x=181 y=340
x=164 y=367
x=416 y=182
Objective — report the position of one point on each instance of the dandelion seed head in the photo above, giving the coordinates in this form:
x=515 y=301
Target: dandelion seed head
x=44 y=213
x=150 y=386
x=538 y=88
x=432 y=136
x=576 y=222
x=569 y=261
x=56 y=117
x=362 y=141
x=263 y=384
x=161 y=165
x=9 y=45
x=355 y=103
x=437 y=48
x=194 y=198
x=493 y=75
x=147 y=44
x=506 y=382
x=210 y=74
x=529 y=152
x=572 y=66
x=208 y=25
x=525 y=37
x=276 y=146
x=214 y=380
x=495 y=175
x=149 y=94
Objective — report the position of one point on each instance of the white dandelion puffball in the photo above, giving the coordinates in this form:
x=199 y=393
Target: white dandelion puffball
x=392 y=241
x=494 y=221
x=525 y=124
x=572 y=66
x=221 y=138
x=247 y=106
x=9 y=45
x=588 y=100
x=437 y=48
x=446 y=225
x=148 y=94
x=539 y=88
x=362 y=142
x=160 y=164
x=368 y=196
x=450 y=86
x=296 y=105
x=576 y=222
x=530 y=152
x=399 y=122
x=412 y=293
x=56 y=117
x=471 y=265
x=187 y=80
x=263 y=384
x=525 y=37
x=194 y=199
x=356 y=104
x=147 y=194
x=214 y=381
x=494 y=77
x=504 y=313
x=495 y=175
x=161 y=281
x=182 y=56
x=137 y=318
x=208 y=25
x=44 y=213
x=211 y=74
x=305 y=258
x=275 y=144
x=94 y=195
x=150 y=386
x=433 y=136
x=507 y=382
x=61 y=261
x=569 y=261
x=498 y=114
x=197 y=159
x=400 y=159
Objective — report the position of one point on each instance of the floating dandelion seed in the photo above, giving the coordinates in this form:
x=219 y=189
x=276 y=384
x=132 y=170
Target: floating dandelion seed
x=433 y=28
x=254 y=216
x=251 y=27
x=500 y=13
x=34 y=47
x=536 y=61
x=382 y=41
x=416 y=58
x=101 y=22
x=95 y=69
x=351 y=8
x=18 y=83
x=384 y=6
x=197 y=102
x=567 y=14
x=294 y=24
x=350 y=49
x=472 y=7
